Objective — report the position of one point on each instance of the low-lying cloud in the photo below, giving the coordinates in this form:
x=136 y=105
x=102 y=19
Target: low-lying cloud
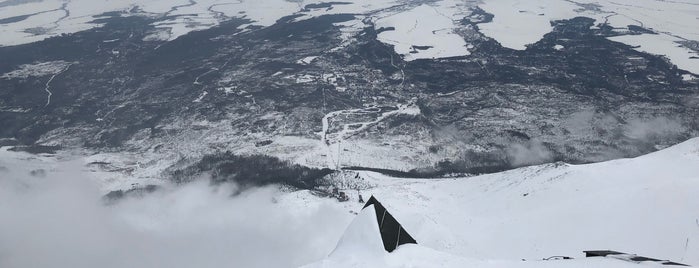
x=531 y=152
x=656 y=128
x=62 y=222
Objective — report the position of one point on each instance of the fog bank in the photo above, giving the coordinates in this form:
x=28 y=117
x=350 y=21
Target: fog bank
x=62 y=221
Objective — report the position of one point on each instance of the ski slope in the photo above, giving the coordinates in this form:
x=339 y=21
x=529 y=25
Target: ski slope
x=646 y=206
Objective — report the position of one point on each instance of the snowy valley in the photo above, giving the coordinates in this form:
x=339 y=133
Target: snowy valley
x=241 y=133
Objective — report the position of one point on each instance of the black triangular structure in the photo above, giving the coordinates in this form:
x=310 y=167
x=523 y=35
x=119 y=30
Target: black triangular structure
x=392 y=233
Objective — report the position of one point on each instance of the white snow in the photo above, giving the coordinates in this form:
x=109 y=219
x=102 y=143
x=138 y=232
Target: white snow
x=416 y=256
x=429 y=25
x=187 y=17
x=362 y=237
x=184 y=17
x=38 y=69
x=644 y=206
x=201 y=96
x=228 y=90
x=338 y=151
x=305 y=78
x=423 y=26
x=665 y=45
x=518 y=23
x=307 y=60
x=361 y=246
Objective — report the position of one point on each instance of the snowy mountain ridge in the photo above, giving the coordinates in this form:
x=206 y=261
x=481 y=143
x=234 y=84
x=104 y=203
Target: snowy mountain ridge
x=646 y=206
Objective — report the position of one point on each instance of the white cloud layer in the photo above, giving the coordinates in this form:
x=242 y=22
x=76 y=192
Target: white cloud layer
x=62 y=222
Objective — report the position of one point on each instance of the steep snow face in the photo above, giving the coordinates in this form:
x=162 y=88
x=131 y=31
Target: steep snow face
x=645 y=206
x=361 y=243
x=361 y=246
x=361 y=235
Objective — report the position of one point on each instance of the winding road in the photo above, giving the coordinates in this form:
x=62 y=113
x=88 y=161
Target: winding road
x=48 y=84
x=330 y=140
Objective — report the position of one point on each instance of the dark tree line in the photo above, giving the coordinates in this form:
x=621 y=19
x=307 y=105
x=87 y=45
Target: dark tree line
x=252 y=170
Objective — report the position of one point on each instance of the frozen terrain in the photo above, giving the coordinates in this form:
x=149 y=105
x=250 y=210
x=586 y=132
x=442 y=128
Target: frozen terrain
x=422 y=32
x=646 y=205
x=417 y=31
x=34 y=21
x=116 y=117
x=393 y=85
x=671 y=24
x=23 y=22
x=409 y=86
x=361 y=246
x=519 y=23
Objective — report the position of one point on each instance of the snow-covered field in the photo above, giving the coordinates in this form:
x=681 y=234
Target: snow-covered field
x=54 y=17
x=20 y=20
x=420 y=29
x=521 y=22
x=646 y=206
x=34 y=21
x=422 y=33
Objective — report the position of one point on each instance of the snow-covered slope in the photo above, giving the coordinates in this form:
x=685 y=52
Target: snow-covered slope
x=361 y=246
x=646 y=206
